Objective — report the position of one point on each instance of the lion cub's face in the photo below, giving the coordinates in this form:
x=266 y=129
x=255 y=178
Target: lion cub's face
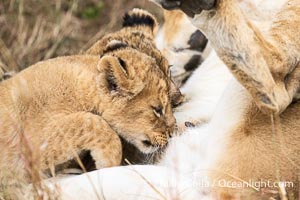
x=139 y=106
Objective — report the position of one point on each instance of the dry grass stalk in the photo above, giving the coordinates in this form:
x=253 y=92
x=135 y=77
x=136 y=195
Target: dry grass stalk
x=79 y=161
x=31 y=158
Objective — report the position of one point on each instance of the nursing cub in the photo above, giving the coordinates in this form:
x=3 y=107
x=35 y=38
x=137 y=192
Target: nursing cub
x=69 y=104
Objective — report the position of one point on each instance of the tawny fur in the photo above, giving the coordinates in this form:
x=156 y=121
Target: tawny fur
x=267 y=65
x=256 y=153
x=140 y=37
x=68 y=104
x=139 y=33
x=138 y=25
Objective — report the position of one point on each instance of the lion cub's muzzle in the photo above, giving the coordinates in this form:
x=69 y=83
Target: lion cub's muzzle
x=160 y=140
x=157 y=142
x=160 y=136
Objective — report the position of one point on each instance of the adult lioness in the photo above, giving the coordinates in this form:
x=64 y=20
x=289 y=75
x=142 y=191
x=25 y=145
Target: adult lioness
x=241 y=148
x=266 y=63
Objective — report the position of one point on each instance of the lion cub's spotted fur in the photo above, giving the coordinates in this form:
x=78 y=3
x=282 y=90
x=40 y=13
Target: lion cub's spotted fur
x=69 y=104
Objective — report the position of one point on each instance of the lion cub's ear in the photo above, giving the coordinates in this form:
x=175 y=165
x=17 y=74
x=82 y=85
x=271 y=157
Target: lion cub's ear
x=118 y=78
x=113 y=45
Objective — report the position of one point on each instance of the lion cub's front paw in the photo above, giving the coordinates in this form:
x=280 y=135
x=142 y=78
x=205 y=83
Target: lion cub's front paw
x=107 y=153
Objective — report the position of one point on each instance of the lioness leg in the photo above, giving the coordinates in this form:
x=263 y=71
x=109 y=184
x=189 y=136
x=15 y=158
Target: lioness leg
x=250 y=56
x=69 y=133
x=260 y=62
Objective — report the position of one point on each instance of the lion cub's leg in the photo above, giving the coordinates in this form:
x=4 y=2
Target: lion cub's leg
x=69 y=133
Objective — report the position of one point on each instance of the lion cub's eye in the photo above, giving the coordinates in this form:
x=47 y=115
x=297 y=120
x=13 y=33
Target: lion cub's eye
x=157 y=111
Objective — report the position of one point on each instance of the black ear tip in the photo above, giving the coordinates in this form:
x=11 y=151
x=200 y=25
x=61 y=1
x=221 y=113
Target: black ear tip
x=7 y=75
x=113 y=46
x=138 y=17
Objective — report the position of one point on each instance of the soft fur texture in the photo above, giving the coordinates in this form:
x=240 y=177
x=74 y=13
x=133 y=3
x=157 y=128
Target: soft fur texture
x=238 y=143
x=266 y=64
x=138 y=32
x=86 y=104
x=138 y=25
x=139 y=28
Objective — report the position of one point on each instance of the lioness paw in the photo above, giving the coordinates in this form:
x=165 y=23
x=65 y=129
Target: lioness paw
x=189 y=7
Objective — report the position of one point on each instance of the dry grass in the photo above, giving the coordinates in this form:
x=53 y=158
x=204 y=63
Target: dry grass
x=37 y=30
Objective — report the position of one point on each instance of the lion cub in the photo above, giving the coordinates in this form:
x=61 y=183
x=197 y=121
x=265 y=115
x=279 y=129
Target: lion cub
x=74 y=103
x=139 y=28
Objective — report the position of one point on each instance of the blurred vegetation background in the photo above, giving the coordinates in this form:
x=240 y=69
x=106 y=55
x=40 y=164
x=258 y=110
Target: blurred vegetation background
x=34 y=30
